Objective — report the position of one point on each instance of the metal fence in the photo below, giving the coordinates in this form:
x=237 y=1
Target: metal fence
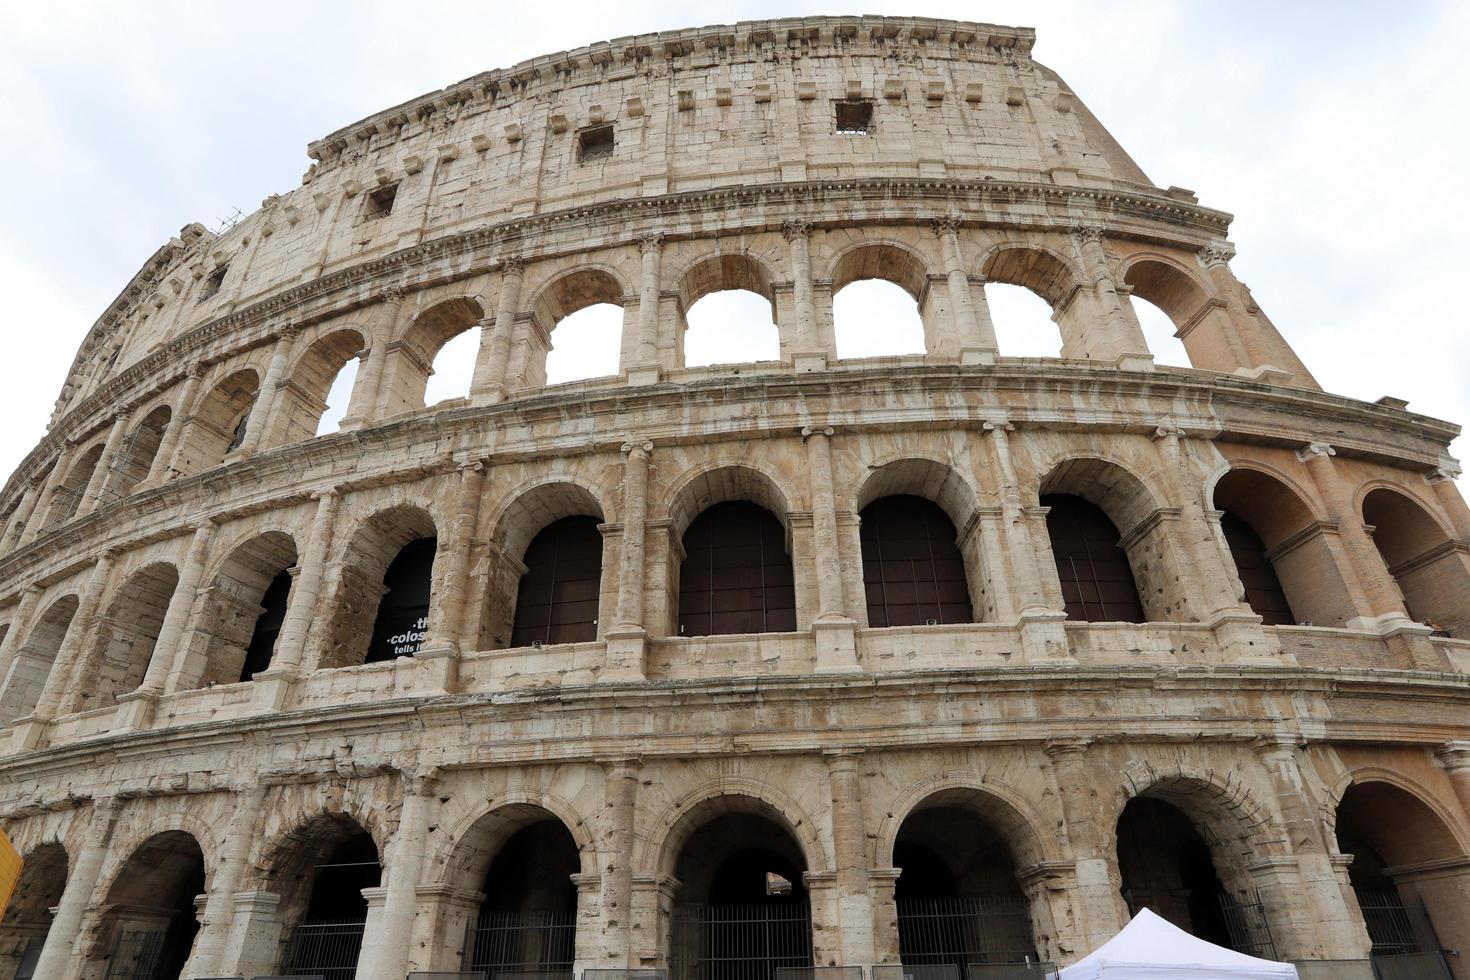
x=740 y=942
x=965 y=931
x=1249 y=929
x=1013 y=971
x=1411 y=966
x=325 y=949
x=136 y=954
x=523 y=945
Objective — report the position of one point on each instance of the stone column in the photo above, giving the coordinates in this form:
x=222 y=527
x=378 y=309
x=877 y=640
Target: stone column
x=163 y=667
x=1454 y=759
x=43 y=498
x=621 y=797
x=92 y=496
x=485 y=369
x=20 y=625
x=385 y=949
x=274 y=682
x=1312 y=919
x=835 y=637
x=644 y=369
x=626 y=640
x=367 y=389
x=808 y=354
x=166 y=460
x=254 y=945
x=439 y=655
x=977 y=344
x=21 y=519
x=492 y=366
x=1099 y=907
x=264 y=409
x=1262 y=344
x=850 y=850
x=1442 y=482
x=68 y=658
x=1043 y=635
x=219 y=907
x=66 y=924
x=1124 y=344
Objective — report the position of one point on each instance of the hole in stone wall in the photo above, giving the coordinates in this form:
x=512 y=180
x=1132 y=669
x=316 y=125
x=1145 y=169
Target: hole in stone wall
x=595 y=143
x=213 y=282
x=454 y=368
x=585 y=344
x=380 y=202
x=876 y=318
x=1023 y=323
x=732 y=326
x=855 y=117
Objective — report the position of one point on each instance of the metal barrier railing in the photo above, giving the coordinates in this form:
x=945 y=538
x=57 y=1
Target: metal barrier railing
x=1013 y=971
x=819 y=973
x=965 y=931
x=325 y=950
x=916 y=971
x=1334 y=970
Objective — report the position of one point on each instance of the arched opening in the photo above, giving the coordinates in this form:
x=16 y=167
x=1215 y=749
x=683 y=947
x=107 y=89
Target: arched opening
x=959 y=901
x=913 y=572
x=316 y=387
x=129 y=632
x=148 y=921
x=1409 y=875
x=528 y=919
x=339 y=398
x=387 y=577
x=27 y=918
x=1182 y=324
x=454 y=368
x=67 y=496
x=1095 y=575
x=21 y=687
x=557 y=600
x=322 y=912
x=1166 y=866
x=880 y=303
x=742 y=911
x=242 y=612
x=138 y=452
x=217 y=427
x=1023 y=322
x=1282 y=554
x=575 y=331
x=736 y=576
x=435 y=360
x=1431 y=570
x=729 y=312
x=1018 y=317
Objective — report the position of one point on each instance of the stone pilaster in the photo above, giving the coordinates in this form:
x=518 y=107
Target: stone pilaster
x=807 y=354
x=219 y=907
x=97 y=484
x=850 y=850
x=626 y=641
x=261 y=413
x=164 y=667
x=439 y=655
x=167 y=460
x=1099 y=908
x=64 y=935
x=975 y=334
x=836 y=641
x=385 y=951
x=492 y=365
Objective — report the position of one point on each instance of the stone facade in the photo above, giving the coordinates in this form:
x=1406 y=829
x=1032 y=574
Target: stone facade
x=181 y=476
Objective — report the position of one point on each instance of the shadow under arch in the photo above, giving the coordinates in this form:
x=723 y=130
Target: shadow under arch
x=371 y=614
x=216 y=426
x=125 y=642
x=35 y=658
x=27 y=917
x=722 y=481
x=242 y=610
x=148 y=915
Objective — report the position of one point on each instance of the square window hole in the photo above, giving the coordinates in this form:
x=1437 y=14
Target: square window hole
x=855 y=117
x=380 y=201
x=213 y=282
x=595 y=143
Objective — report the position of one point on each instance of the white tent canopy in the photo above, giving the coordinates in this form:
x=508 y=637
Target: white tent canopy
x=1152 y=948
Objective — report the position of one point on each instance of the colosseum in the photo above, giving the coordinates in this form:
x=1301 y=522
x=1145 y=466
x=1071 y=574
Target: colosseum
x=934 y=665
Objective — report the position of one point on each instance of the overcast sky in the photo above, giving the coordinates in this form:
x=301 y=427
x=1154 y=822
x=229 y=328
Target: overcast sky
x=1334 y=132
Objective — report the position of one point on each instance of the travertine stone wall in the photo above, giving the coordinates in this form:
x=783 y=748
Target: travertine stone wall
x=181 y=473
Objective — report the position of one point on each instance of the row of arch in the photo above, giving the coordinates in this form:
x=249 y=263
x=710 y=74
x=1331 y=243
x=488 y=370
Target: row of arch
x=731 y=570
x=322 y=386
x=741 y=867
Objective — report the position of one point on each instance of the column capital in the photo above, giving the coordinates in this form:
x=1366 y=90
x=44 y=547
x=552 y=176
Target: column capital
x=512 y=265
x=1448 y=470
x=196 y=370
x=1216 y=253
x=1088 y=234
x=327 y=493
x=842 y=760
x=1266 y=745
x=794 y=228
x=1453 y=756
x=998 y=425
x=420 y=781
x=1058 y=749
x=943 y=224
x=622 y=767
x=391 y=294
x=287 y=332
x=650 y=241
x=807 y=431
x=1168 y=431
x=1313 y=449
x=471 y=466
x=631 y=447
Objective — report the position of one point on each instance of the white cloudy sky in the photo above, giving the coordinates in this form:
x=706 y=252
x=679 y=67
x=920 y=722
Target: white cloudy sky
x=1335 y=132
